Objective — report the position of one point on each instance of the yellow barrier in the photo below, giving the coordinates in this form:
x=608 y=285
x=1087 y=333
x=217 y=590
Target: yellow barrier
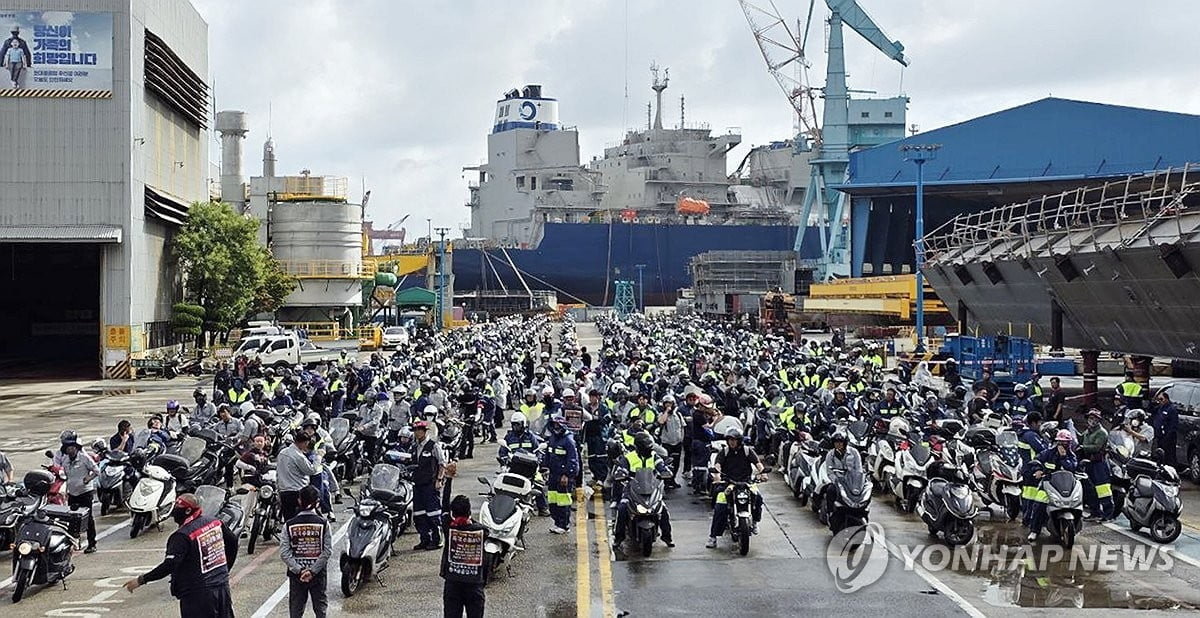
x=317 y=331
x=327 y=269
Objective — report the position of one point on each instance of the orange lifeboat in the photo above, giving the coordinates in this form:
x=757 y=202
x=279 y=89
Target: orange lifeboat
x=628 y=215
x=691 y=207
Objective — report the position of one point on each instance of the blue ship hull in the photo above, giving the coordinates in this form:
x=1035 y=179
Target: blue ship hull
x=580 y=261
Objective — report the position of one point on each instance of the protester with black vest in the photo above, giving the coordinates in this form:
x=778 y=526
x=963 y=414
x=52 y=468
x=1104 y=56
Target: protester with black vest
x=305 y=547
x=462 y=563
x=429 y=465
x=200 y=555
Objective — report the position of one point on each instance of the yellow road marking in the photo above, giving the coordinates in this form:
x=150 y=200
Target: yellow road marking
x=603 y=553
x=583 y=570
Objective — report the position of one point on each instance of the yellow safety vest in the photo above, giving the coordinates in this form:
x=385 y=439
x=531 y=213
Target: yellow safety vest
x=637 y=463
x=783 y=377
x=1131 y=389
x=236 y=397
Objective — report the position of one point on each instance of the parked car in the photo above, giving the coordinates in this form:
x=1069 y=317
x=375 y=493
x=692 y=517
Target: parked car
x=1186 y=397
x=288 y=349
x=394 y=337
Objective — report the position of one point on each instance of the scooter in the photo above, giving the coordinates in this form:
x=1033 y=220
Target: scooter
x=881 y=453
x=802 y=469
x=154 y=495
x=46 y=536
x=910 y=478
x=1145 y=491
x=505 y=513
x=851 y=501
x=369 y=546
x=1064 y=506
x=644 y=490
x=947 y=505
x=741 y=518
x=221 y=504
x=116 y=482
x=390 y=483
x=998 y=472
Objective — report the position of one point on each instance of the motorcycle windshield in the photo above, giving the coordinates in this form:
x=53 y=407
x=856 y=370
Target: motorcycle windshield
x=211 y=499
x=858 y=429
x=339 y=428
x=384 y=477
x=1063 y=482
x=192 y=448
x=645 y=485
x=1006 y=438
x=1121 y=443
x=501 y=506
x=920 y=453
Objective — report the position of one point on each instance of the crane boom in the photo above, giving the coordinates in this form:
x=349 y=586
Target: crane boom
x=854 y=16
x=782 y=49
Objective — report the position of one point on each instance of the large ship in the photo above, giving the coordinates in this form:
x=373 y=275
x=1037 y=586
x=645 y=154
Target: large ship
x=542 y=220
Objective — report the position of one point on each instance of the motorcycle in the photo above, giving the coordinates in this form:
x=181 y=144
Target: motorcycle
x=154 y=495
x=910 y=478
x=506 y=513
x=998 y=472
x=947 y=505
x=881 y=453
x=391 y=484
x=117 y=480
x=644 y=491
x=851 y=501
x=803 y=468
x=218 y=503
x=45 y=539
x=347 y=445
x=1064 y=506
x=1145 y=491
x=740 y=526
x=369 y=546
x=266 y=512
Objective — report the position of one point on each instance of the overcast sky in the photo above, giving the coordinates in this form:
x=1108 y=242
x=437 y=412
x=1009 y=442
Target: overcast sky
x=400 y=95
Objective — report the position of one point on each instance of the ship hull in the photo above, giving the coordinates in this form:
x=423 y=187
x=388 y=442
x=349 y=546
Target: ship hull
x=581 y=261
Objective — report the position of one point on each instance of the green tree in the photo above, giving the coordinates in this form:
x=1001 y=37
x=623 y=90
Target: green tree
x=226 y=271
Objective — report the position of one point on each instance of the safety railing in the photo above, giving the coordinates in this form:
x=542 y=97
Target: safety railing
x=1114 y=214
x=326 y=269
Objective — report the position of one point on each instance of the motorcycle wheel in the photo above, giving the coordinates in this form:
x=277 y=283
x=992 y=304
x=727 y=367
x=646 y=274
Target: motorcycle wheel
x=169 y=373
x=1164 y=528
x=960 y=533
x=933 y=533
x=1012 y=506
x=744 y=537
x=256 y=530
x=22 y=583
x=138 y=523
x=801 y=496
x=1066 y=535
x=491 y=563
x=1194 y=465
x=647 y=545
x=103 y=503
x=352 y=580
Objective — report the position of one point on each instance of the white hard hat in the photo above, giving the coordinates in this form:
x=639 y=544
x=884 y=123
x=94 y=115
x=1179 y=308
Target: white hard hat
x=430 y=409
x=517 y=417
x=568 y=392
x=549 y=390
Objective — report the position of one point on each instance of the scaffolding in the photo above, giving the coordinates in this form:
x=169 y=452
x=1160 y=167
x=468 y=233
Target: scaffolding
x=624 y=302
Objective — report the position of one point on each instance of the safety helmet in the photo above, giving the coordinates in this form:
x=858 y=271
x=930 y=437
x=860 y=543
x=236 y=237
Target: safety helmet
x=733 y=433
x=839 y=436
x=68 y=437
x=1063 y=435
x=549 y=390
x=643 y=444
x=381 y=396
x=568 y=393
x=1094 y=413
x=310 y=422
x=529 y=392
x=517 y=417
x=172 y=405
x=430 y=410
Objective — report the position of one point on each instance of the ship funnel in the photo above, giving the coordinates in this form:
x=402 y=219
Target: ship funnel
x=269 y=158
x=532 y=91
x=232 y=127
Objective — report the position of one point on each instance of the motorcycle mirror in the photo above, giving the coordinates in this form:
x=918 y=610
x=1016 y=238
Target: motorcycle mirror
x=50 y=454
x=346 y=491
x=483 y=480
x=1159 y=454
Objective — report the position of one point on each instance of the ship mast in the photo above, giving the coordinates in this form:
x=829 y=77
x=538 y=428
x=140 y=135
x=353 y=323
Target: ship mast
x=658 y=87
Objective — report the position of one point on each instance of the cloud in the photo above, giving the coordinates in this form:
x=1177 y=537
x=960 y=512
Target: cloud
x=401 y=93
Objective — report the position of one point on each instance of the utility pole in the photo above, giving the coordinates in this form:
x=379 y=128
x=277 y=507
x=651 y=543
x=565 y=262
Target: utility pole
x=919 y=154
x=441 y=296
x=641 y=270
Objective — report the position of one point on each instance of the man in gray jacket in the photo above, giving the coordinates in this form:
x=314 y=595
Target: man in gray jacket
x=293 y=471
x=670 y=433
x=305 y=547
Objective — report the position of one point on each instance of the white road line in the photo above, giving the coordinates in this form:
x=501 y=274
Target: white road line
x=937 y=584
x=268 y=606
x=1167 y=549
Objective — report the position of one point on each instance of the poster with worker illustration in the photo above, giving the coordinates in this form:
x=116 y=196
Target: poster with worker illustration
x=56 y=54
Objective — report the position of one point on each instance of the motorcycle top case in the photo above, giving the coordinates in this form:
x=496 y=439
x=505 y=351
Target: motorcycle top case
x=70 y=518
x=524 y=464
x=174 y=464
x=38 y=482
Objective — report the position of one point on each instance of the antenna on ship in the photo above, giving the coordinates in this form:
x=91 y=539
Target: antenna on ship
x=658 y=87
x=681 y=125
x=649 y=105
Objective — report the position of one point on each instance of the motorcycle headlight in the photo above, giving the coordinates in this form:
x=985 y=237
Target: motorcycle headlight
x=366 y=510
x=266 y=491
x=642 y=510
x=1170 y=490
x=1063 y=502
x=25 y=548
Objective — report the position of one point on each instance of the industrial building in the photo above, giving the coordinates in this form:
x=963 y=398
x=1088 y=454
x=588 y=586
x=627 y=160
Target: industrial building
x=107 y=156
x=1043 y=147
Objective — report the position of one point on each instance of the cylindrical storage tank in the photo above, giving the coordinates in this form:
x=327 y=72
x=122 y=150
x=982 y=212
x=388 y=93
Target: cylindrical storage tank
x=232 y=126
x=321 y=241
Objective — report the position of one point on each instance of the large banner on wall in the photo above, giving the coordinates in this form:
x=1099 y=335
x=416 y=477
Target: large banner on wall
x=56 y=54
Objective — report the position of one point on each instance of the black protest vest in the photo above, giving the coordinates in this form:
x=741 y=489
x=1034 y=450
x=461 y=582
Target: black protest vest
x=204 y=563
x=426 y=462
x=462 y=556
x=306 y=536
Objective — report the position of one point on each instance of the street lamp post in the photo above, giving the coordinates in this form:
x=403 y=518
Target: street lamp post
x=441 y=295
x=919 y=154
x=641 y=268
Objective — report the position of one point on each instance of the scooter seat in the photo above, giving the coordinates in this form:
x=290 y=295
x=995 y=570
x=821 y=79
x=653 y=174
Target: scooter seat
x=172 y=463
